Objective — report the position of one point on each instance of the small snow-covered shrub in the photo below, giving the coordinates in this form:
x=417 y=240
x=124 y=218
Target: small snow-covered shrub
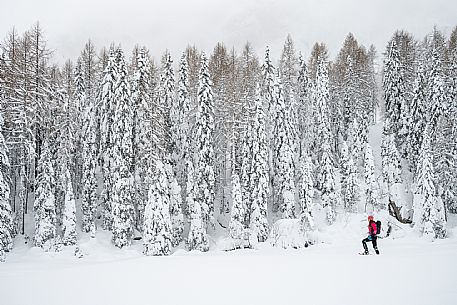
x=289 y=233
x=248 y=240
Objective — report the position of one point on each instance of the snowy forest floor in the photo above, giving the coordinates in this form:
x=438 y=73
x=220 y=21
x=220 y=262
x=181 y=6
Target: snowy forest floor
x=410 y=270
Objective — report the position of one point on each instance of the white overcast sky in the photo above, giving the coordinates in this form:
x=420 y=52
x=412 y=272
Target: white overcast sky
x=173 y=24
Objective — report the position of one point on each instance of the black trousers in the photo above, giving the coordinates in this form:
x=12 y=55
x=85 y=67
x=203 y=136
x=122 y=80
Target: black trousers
x=368 y=239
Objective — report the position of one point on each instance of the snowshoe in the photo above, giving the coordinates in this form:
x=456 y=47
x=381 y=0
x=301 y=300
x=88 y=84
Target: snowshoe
x=364 y=253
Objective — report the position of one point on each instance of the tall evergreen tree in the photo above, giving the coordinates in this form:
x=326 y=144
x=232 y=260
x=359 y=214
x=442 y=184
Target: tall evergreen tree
x=429 y=215
x=122 y=205
x=44 y=206
x=204 y=149
x=175 y=205
x=105 y=100
x=371 y=193
x=157 y=231
x=89 y=171
x=6 y=219
x=395 y=94
x=283 y=157
x=306 y=194
x=238 y=211
x=260 y=173
x=352 y=187
x=184 y=137
x=144 y=136
x=197 y=239
x=418 y=115
x=69 y=214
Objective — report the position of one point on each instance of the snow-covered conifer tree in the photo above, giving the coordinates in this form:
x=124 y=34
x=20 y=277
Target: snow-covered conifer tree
x=197 y=239
x=371 y=193
x=237 y=212
x=246 y=170
x=395 y=94
x=184 y=139
x=429 y=217
x=122 y=205
x=283 y=157
x=69 y=214
x=6 y=219
x=89 y=171
x=327 y=175
x=306 y=193
x=204 y=143
x=143 y=133
x=157 y=231
x=260 y=172
x=44 y=206
x=344 y=160
x=175 y=204
x=418 y=115
x=268 y=82
x=351 y=188
x=105 y=100
x=436 y=97
x=390 y=157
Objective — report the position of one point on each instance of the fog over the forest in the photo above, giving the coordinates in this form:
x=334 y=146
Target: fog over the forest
x=174 y=24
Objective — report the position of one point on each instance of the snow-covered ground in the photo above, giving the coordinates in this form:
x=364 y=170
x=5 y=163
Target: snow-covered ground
x=409 y=270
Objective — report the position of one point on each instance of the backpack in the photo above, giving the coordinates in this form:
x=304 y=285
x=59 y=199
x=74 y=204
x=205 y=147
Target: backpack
x=378 y=227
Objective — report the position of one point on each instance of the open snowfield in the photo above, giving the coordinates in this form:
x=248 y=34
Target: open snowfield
x=408 y=271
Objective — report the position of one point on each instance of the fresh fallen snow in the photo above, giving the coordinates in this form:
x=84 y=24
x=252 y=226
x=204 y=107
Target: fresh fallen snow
x=409 y=270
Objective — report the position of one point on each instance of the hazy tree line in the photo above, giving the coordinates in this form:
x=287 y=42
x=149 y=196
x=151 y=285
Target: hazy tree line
x=173 y=149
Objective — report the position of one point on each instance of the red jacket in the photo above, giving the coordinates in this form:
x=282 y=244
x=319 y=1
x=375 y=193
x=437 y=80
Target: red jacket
x=372 y=229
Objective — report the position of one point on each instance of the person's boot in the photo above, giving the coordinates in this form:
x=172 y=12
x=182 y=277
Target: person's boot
x=376 y=250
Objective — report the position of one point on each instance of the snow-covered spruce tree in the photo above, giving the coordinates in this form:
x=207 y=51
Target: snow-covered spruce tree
x=451 y=199
x=67 y=135
x=89 y=171
x=351 y=188
x=391 y=167
x=105 y=100
x=168 y=107
x=260 y=173
x=356 y=141
x=6 y=219
x=143 y=134
x=184 y=139
x=344 y=160
x=267 y=85
x=237 y=211
x=175 y=204
x=197 y=239
x=44 y=206
x=418 y=115
x=246 y=171
x=204 y=150
x=436 y=95
x=329 y=193
x=122 y=205
x=157 y=231
x=395 y=94
x=80 y=101
x=305 y=108
x=371 y=192
x=306 y=193
x=326 y=183
x=69 y=214
x=429 y=214
x=283 y=157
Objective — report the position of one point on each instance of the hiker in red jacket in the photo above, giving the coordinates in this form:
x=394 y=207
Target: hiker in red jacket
x=372 y=231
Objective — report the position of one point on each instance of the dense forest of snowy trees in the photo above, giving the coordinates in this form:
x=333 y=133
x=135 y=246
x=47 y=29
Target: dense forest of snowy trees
x=170 y=152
